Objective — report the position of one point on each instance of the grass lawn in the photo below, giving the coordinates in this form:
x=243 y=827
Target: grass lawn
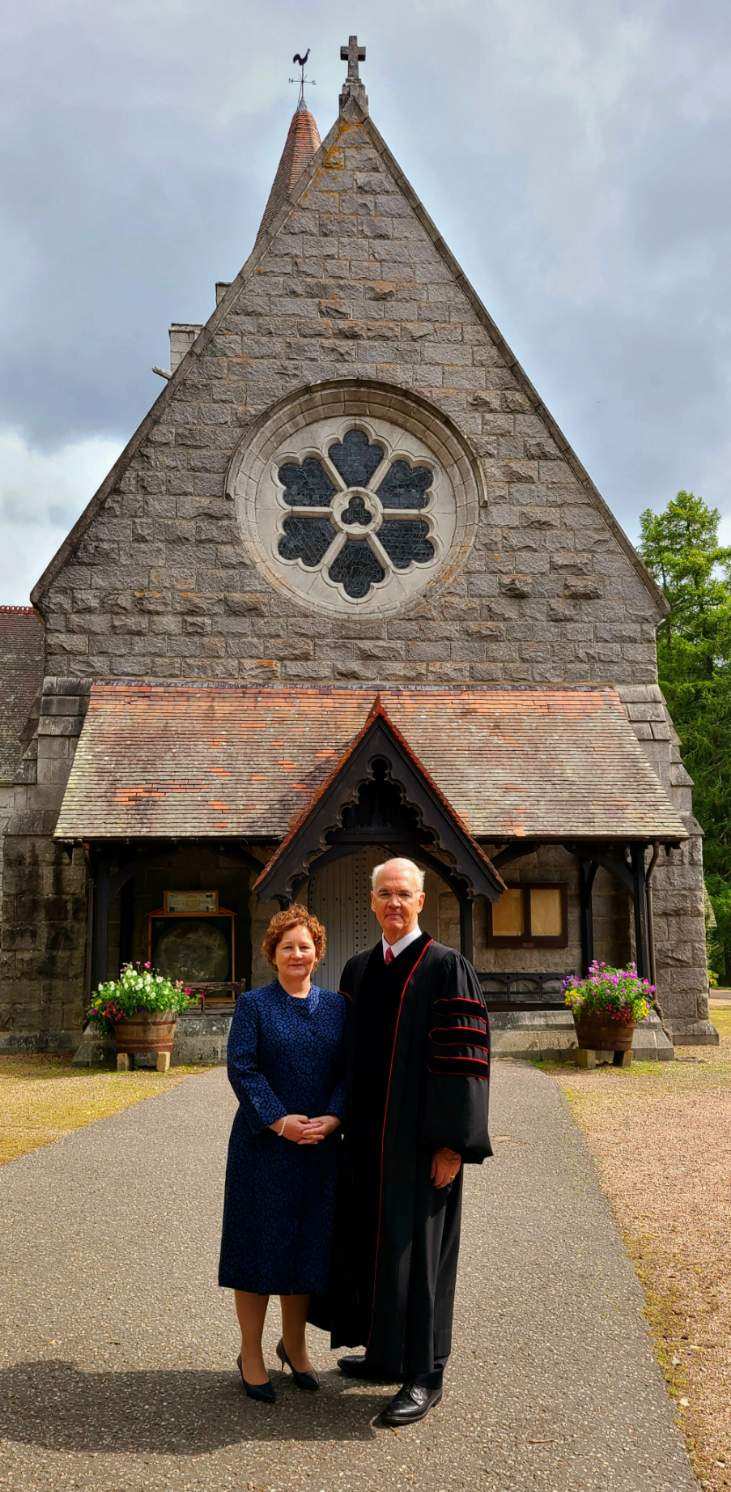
x=660 y=1133
x=44 y=1098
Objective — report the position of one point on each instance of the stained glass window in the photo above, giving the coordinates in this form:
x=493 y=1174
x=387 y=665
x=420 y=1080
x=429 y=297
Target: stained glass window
x=406 y=542
x=306 y=485
x=356 y=458
x=356 y=533
x=356 y=568
x=357 y=511
x=307 y=539
x=405 y=486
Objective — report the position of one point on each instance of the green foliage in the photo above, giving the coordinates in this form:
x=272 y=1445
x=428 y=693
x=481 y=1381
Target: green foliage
x=137 y=988
x=719 y=936
x=615 y=994
x=680 y=547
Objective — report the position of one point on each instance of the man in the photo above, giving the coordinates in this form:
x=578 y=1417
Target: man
x=419 y=1071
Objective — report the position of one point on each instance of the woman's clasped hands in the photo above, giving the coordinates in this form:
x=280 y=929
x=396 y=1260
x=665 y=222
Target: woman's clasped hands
x=301 y=1130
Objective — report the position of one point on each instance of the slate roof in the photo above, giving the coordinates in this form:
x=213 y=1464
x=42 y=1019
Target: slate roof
x=183 y=761
x=21 y=677
x=379 y=735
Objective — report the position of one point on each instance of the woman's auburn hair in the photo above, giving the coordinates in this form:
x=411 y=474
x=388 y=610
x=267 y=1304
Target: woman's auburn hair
x=283 y=922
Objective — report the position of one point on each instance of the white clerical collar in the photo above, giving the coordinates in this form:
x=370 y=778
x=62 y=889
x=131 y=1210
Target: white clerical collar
x=397 y=948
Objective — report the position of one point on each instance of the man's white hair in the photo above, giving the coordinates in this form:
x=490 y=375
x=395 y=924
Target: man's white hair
x=416 y=870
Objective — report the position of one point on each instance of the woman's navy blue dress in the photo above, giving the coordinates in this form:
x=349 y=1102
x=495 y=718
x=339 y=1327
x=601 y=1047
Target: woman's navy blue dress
x=285 y=1056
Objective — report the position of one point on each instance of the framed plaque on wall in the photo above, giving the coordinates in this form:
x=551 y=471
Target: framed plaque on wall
x=192 y=938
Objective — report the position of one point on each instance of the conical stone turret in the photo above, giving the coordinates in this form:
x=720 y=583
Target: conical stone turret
x=302 y=143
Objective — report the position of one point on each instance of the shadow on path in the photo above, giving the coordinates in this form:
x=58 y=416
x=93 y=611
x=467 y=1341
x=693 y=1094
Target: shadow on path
x=57 y=1405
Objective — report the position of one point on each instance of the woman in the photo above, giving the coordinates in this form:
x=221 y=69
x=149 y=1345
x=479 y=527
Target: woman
x=285 y=1064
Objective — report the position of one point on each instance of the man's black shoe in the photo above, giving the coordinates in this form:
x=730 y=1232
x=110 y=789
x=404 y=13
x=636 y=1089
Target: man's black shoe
x=410 y=1404
x=364 y=1369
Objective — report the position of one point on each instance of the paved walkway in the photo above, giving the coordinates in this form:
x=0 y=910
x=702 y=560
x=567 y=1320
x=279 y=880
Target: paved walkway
x=117 y=1368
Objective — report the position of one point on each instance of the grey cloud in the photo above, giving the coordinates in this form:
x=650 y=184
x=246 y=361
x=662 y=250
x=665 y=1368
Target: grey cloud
x=15 y=509
x=575 y=158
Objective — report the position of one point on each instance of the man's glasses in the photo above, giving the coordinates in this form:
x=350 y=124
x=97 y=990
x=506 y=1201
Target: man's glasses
x=395 y=895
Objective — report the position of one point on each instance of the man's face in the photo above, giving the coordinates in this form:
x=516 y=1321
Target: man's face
x=397 y=900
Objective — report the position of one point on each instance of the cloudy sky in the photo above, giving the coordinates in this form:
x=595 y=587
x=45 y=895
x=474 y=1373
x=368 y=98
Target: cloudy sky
x=575 y=157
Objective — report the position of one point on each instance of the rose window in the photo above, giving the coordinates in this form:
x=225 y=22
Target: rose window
x=356 y=512
x=353 y=498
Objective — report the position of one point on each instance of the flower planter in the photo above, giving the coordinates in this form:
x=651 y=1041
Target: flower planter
x=147 y=1033
x=606 y=1004
x=596 y=1032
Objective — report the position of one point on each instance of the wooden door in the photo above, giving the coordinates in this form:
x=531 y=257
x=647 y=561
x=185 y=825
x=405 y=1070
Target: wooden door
x=340 y=896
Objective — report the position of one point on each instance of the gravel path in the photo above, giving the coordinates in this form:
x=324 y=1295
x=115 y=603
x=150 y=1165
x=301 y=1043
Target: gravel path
x=117 y=1367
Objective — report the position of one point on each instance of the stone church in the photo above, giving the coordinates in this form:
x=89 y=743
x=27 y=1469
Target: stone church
x=347 y=592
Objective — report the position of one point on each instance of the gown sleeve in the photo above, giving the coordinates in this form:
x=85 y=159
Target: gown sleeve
x=337 y=1099
x=259 y=1104
x=458 y=1077
x=346 y=980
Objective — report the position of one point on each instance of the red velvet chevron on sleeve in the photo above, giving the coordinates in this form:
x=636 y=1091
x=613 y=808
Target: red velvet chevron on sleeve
x=459 y=1041
x=458 y=1063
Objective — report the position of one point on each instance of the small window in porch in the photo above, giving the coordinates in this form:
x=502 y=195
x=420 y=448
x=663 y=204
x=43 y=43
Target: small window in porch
x=530 y=916
x=508 y=914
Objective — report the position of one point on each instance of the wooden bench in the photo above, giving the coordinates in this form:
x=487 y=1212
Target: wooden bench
x=518 y=990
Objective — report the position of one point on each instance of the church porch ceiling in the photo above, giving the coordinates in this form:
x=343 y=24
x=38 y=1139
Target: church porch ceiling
x=221 y=761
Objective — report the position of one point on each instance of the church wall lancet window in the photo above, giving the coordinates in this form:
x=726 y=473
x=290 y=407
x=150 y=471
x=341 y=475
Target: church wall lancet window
x=358 y=509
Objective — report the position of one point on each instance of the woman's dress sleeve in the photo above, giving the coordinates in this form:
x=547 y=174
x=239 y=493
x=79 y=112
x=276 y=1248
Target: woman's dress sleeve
x=259 y=1104
x=458 y=1078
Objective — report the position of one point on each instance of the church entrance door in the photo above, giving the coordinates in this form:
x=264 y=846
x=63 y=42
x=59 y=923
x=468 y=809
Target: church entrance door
x=340 y=896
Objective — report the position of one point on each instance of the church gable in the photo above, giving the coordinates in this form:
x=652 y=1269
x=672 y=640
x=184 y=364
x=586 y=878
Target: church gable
x=350 y=284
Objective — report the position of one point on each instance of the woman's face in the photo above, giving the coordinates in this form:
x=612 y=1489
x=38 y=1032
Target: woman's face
x=294 y=955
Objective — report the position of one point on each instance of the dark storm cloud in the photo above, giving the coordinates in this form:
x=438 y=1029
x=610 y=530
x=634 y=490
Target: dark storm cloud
x=575 y=158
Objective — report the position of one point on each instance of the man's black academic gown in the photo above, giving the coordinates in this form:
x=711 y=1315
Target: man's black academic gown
x=419 y=1075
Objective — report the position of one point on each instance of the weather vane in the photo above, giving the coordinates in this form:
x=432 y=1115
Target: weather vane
x=302 y=62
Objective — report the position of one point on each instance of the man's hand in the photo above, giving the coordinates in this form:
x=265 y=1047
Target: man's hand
x=445 y=1166
x=319 y=1129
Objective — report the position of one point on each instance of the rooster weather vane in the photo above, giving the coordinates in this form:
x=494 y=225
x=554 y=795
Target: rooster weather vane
x=302 y=63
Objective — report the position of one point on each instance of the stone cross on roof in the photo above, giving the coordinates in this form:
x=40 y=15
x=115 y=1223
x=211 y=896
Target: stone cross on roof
x=353 y=86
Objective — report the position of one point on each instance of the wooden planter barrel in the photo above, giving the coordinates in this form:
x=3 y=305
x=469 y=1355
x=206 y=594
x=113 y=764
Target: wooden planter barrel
x=597 y=1033
x=146 y=1033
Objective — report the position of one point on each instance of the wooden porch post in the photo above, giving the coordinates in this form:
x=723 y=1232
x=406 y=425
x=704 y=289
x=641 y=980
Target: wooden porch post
x=467 y=927
x=100 y=935
x=639 y=894
x=587 y=874
x=126 y=919
x=89 y=954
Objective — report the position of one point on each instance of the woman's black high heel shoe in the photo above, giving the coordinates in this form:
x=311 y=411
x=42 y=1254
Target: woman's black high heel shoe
x=264 y=1392
x=303 y=1380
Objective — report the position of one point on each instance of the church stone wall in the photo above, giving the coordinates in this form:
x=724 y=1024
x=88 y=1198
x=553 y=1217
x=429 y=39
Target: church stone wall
x=6 y=809
x=677 y=880
x=44 y=895
x=351 y=287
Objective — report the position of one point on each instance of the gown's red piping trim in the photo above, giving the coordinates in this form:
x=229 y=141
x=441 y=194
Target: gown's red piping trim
x=407 y=982
x=460 y=1000
x=458 y=1031
x=452 y=1057
x=477 y=1077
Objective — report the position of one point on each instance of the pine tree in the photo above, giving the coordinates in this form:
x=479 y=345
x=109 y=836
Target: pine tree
x=681 y=549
